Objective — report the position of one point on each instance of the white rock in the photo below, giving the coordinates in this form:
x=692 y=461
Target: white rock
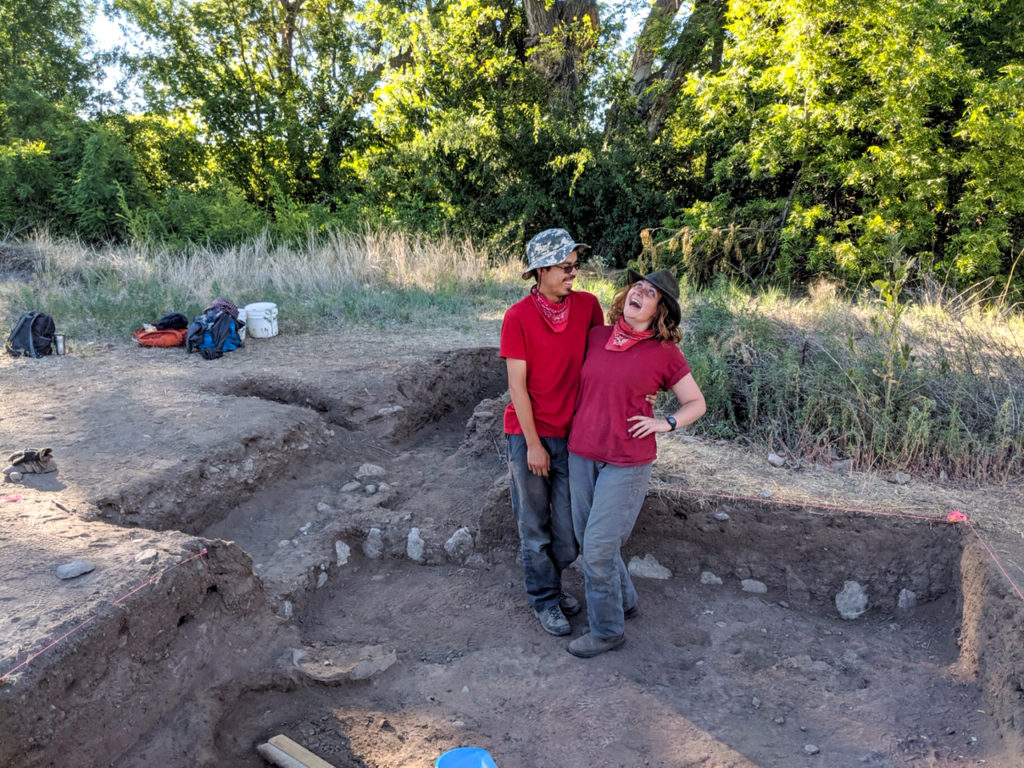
x=342 y=552
x=765 y=493
x=775 y=460
x=382 y=487
x=323 y=508
x=75 y=568
x=304 y=530
x=284 y=543
x=321 y=579
x=852 y=600
x=373 y=546
x=707 y=577
x=723 y=516
x=414 y=545
x=370 y=470
x=753 y=585
x=811 y=749
x=387 y=410
x=355 y=485
x=906 y=600
x=147 y=556
x=288 y=609
x=460 y=545
x=647 y=567
x=370 y=489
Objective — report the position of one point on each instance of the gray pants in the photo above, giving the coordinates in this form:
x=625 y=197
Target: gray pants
x=606 y=500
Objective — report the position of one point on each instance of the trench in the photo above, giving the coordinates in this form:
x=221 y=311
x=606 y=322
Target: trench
x=711 y=674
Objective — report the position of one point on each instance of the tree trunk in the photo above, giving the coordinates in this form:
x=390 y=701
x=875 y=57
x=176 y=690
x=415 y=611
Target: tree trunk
x=701 y=38
x=559 y=63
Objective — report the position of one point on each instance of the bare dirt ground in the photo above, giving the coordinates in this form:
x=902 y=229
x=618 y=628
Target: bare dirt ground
x=267 y=610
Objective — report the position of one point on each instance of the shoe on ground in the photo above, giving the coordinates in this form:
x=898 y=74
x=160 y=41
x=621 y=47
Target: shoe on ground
x=570 y=605
x=553 y=620
x=632 y=613
x=586 y=646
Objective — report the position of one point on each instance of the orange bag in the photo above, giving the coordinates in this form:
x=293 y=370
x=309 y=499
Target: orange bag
x=168 y=338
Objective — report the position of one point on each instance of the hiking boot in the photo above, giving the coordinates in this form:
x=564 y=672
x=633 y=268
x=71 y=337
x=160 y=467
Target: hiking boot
x=553 y=620
x=587 y=645
x=632 y=613
x=570 y=605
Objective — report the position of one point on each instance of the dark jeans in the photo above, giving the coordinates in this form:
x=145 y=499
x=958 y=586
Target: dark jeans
x=541 y=505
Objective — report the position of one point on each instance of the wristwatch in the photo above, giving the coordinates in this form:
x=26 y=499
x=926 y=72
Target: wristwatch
x=671 y=424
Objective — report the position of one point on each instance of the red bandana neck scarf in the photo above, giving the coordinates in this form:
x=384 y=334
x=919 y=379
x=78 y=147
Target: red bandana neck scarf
x=555 y=315
x=623 y=336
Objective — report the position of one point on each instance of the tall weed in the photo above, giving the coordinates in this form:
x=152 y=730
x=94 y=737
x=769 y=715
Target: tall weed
x=935 y=387
x=374 y=277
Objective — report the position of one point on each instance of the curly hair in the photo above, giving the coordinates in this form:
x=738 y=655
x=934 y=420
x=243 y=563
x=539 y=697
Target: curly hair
x=663 y=325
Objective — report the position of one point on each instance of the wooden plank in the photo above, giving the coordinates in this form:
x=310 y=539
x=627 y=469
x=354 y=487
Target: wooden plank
x=298 y=752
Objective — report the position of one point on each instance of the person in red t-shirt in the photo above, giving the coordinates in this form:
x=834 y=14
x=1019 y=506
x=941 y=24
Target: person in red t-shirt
x=543 y=341
x=612 y=443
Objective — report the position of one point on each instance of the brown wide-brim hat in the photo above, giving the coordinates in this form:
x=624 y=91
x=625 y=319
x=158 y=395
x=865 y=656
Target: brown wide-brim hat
x=665 y=282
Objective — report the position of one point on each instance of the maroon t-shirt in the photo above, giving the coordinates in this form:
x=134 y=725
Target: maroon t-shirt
x=553 y=360
x=612 y=388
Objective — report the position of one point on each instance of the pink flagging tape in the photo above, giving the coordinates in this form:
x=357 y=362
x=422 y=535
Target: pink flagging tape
x=119 y=600
x=12 y=497
x=955 y=516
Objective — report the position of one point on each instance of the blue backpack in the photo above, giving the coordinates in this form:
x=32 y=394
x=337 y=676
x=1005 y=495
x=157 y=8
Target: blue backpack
x=213 y=333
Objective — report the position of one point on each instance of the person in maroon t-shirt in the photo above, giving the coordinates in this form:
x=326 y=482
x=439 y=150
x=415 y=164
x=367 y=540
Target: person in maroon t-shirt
x=543 y=341
x=612 y=443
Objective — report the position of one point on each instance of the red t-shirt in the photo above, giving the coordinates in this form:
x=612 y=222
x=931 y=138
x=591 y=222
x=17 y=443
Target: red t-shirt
x=553 y=360
x=612 y=388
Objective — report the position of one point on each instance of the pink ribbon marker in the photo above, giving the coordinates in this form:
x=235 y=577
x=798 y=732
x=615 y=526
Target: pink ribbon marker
x=12 y=497
x=956 y=516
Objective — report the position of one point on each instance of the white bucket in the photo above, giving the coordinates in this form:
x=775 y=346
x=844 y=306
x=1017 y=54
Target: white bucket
x=261 y=319
x=241 y=319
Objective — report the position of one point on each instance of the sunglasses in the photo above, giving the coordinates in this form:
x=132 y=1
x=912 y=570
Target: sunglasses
x=569 y=268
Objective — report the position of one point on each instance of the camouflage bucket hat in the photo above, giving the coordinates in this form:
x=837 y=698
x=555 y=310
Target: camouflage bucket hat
x=550 y=247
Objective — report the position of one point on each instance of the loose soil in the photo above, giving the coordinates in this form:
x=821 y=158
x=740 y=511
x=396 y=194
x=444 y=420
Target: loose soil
x=264 y=614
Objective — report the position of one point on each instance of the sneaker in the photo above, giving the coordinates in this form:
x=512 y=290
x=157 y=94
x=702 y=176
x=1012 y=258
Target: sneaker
x=553 y=620
x=632 y=613
x=587 y=645
x=570 y=605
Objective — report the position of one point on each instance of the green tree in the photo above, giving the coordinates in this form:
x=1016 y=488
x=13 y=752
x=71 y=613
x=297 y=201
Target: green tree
x=842 y=125
x=273 y=83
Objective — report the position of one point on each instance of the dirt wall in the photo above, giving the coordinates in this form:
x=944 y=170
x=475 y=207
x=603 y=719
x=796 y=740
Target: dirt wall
x=202 y=624
x=990 y=642
x=803 y=551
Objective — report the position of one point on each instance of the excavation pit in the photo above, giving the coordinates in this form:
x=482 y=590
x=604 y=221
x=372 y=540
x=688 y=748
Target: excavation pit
x=227 y=648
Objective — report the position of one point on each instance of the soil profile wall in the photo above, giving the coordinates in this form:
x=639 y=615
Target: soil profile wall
x=93 y=695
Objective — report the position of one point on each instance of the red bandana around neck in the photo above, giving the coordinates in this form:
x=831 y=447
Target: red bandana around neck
x=623 y=336
x=555 y=315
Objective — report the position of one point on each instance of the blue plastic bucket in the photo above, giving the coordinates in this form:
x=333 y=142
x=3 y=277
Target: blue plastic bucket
x=465 y=757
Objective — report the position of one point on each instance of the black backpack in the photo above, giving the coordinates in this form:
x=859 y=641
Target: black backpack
x=32 y=335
